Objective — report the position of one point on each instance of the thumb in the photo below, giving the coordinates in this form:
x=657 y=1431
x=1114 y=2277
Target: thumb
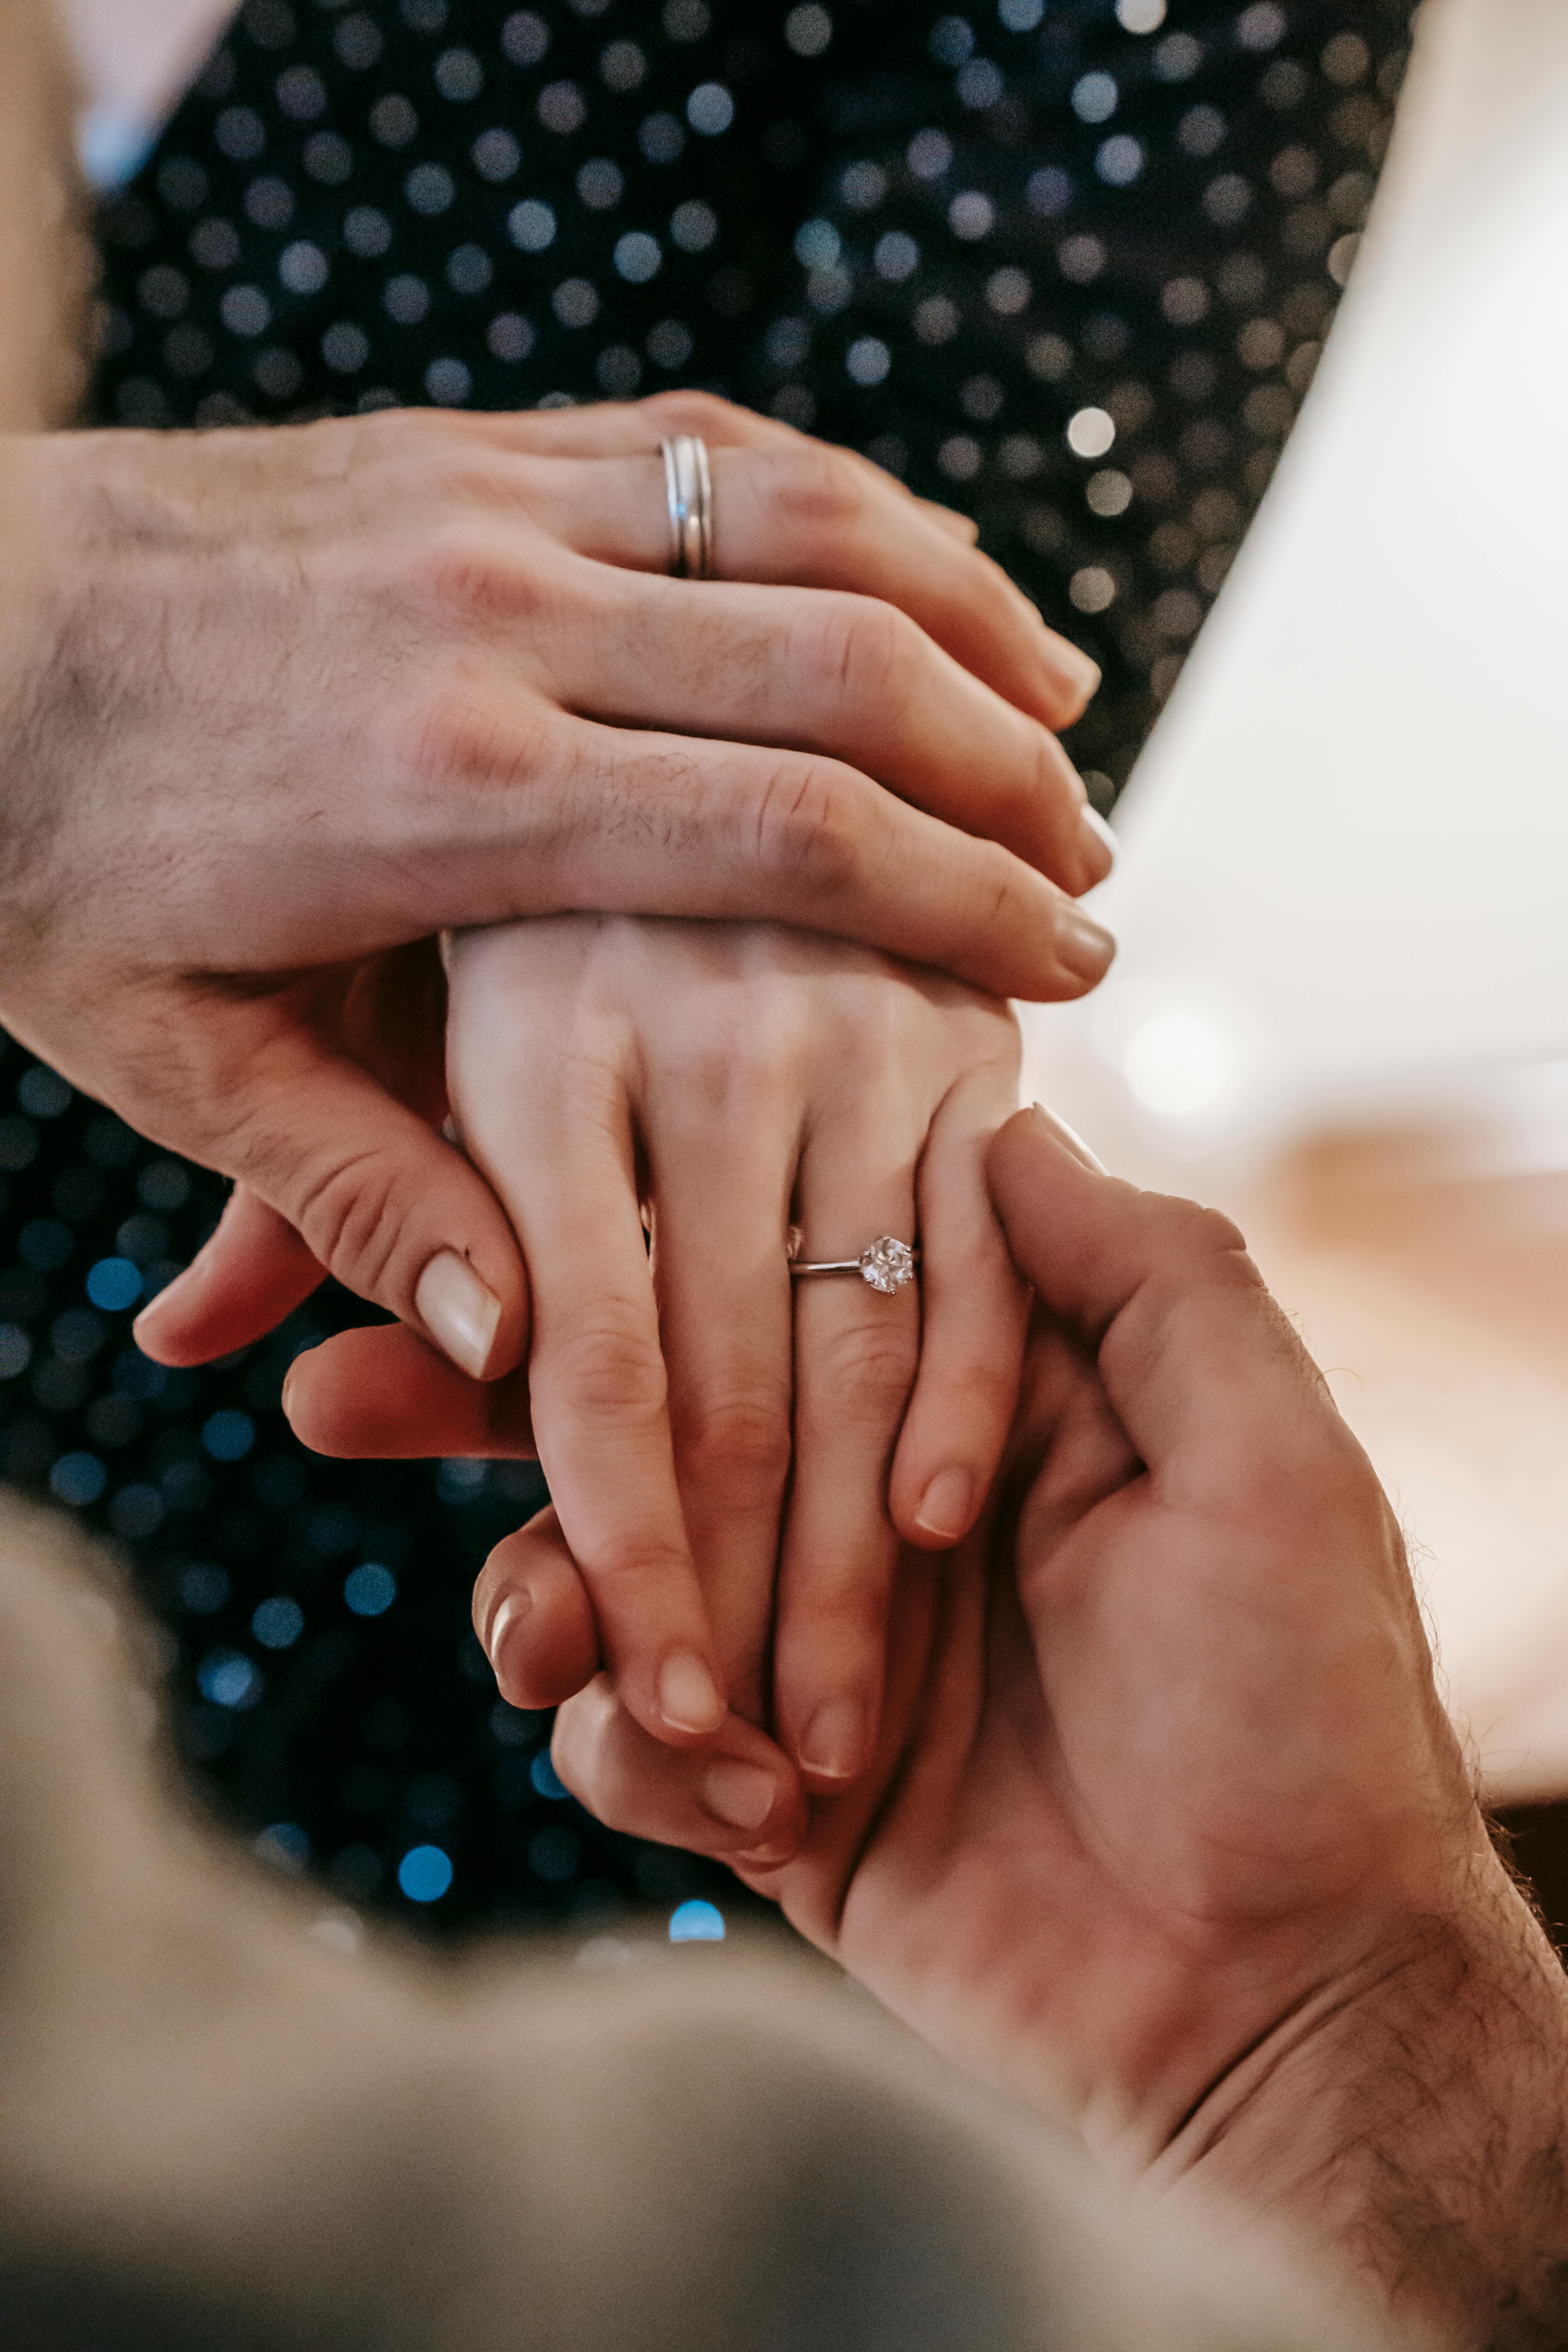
x=377 y=1198
x=1198 y=1361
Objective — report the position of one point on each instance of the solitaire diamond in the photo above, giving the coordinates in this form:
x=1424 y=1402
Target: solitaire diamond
x=887 y=1265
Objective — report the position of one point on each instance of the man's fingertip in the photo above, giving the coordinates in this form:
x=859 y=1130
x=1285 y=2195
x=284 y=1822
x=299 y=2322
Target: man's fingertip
x=1067 y=1138
x=1024 y=1151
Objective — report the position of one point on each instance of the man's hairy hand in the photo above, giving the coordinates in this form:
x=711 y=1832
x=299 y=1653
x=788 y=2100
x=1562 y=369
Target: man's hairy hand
x=1169 y=1831
x=275 y=703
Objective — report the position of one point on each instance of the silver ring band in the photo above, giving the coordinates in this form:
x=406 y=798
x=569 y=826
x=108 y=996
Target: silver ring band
x=885 y=1264
x=688 y=492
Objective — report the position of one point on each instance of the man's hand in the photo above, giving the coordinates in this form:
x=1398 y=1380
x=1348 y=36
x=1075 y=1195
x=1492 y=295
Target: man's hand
x=272 y=702
x=1169 y=1831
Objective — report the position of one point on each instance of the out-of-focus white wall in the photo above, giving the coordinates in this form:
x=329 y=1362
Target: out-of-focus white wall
x=135 y=58
x=1342 y=899
x=1345 y=850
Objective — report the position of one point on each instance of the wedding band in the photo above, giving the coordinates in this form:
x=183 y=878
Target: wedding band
x=689 y=490
x=885 y=1264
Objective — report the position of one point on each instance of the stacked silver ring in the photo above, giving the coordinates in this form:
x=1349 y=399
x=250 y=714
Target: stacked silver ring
x=689 y=488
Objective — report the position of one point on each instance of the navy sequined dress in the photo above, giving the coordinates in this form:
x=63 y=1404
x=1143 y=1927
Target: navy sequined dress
x=1066 y=264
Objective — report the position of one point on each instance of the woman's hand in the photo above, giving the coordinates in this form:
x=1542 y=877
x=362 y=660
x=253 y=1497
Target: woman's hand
x=273 y=702
x=725 y=1081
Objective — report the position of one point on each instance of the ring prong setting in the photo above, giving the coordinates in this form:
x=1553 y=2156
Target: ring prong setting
x=888 y=1266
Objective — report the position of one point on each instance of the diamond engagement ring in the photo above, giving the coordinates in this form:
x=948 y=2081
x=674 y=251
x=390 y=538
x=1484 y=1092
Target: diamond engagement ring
x=884 y=1264
x=688 y=490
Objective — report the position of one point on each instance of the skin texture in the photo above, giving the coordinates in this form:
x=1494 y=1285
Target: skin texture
x=724 y=1080
x=1168 y=1831
x=278 y=704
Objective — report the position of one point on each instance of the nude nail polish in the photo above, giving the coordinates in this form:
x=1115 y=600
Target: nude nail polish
x=740 y=1794
x=1086 y=949
x=515 y=1606
x=689 y=1698
x=834 y=1743
x=946 y=1505
x=459 y=1312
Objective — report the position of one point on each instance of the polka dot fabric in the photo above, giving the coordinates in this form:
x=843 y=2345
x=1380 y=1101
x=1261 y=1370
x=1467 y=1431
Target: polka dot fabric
x=1068 y=266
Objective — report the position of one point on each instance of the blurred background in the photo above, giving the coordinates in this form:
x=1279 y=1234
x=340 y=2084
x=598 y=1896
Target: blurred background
x=1341 y=1010
x=1074 y=268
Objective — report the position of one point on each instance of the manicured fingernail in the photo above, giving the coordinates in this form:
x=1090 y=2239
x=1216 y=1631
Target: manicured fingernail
x=1084 y=947
x=1095 y=826
x=515 y=1606
x=740 y=1794
x=764 y=1858
x=1070 y=1140
x=946 y=1505
x=689 y=1698
x=459 y=1310
x=834 y=1742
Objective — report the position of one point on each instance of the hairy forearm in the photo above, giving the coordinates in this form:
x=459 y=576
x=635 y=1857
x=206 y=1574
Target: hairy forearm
x=46 y=267
x=1413 y=2140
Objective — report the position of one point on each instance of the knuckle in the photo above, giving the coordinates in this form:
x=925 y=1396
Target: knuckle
x=815 y=495
x=806 y=824
x=608 y=1365
x=870 y=648
x=631 y=1557
x=863 y=1372
x=736 y=1448
x=704 y=413
x=352 y=1215
x=452 y=732
x=732 y=1064
x=460 y=576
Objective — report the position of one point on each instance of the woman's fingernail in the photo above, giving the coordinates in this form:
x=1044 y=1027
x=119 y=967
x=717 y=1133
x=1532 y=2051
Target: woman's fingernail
x=689 y=1698
x=515 y=1606
x=741 y=1794
x=459 y=1310
x=1070 y=1140
x=1085 y=947
x=834 y=1742
x=1095 y=826
x=947 y=1505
